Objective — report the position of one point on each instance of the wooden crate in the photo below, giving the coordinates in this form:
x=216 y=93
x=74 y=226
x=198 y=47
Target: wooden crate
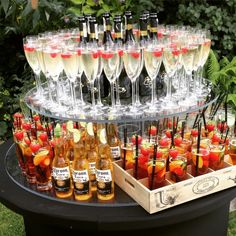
x=174 y=194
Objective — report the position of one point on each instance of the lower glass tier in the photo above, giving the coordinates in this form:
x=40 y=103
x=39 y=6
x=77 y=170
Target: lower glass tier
x=14 y=172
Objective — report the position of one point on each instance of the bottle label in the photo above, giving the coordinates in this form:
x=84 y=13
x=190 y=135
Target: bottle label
x=92 y=167
x=61 y=179
x=129 y=26
x=81 y=181
x=115 y=151
x=143 y=33
x=104 y=182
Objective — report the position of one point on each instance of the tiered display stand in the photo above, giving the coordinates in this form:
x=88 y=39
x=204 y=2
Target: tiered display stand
x=44 y=214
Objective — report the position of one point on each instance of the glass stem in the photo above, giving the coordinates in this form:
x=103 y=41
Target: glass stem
x=58 y=89
x=169 y=85
x=188 y=78
x=153 y=91
x=137 y=91
x=80 y=90
x=99 y=101
x=112 y=95
x=49 y=82
x=133 y=93
x=117 y=92
x=38 y=83
x=92 y=94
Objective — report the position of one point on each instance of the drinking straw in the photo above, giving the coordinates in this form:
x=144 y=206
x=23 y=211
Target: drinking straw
x=28 y=136
x=125 y=145
x=176 y=127
x=31 y=114
x=136 y=157
x=198 y=146
x=149 y=133
x=153 y=165
x=173 y=125
x=195 y=121
x=227 y=131
x=164 y=123
x=172 y=138
x=40 y=119
x=182 y=129
x=186 y=117
x=216 y=103
x=226 y=108
x=217 y=107
x=77 y=125
x=157 y=126
x=35 y=124
x=204 y=119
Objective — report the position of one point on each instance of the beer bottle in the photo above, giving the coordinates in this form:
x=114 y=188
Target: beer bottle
x=92 y=154
x=60 y=167
x=80 y=169
x=113 y=141
x=104 y=168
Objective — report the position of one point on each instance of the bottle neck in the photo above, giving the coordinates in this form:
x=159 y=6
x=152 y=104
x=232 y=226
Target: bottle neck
x=118 y=32
x=93 y=36
x=83 y=32
x=107 y=37
x=129 y=36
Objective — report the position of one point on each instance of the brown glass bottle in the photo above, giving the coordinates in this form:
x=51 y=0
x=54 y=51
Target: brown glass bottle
x=113 y=141
x=92 y=154
x=60 y=167
x=104 y=168
x=80 y=170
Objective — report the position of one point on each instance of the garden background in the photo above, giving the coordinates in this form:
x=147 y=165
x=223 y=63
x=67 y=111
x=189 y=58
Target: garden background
x=19 y=18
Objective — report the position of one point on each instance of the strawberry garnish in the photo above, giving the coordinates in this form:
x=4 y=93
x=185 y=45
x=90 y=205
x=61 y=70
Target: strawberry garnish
x=26 y=126
x=135 y=55
x=35 y=147
x=178 y=140
x=173 y=153
x=164 y=142
x=184 y=50
x=153 y=130
x=133 y=139
x=176 y=52
x=53 y=54
x=159 y=154
x=19 y=135
x=213 y=157
x=210 y=126
x=168 y=133
x=215 y=138
x=107 y=55
x=79 y=52
x=194 y=132
x=27 y=141
x=121 y=53
x=178 y=171
x=95 y=55
x=66 y=55
x=43 y=137
x=36 y=118
x=157 y=53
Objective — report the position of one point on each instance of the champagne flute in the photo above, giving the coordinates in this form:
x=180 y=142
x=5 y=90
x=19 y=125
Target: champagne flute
x=91 y=61
x=153 y=60
x=133 y=60
x=54 y=67
x=30 y=45
x=171 y=58
x=111 y=60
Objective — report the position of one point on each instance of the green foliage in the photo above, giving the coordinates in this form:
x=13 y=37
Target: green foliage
x=217 y=16
x=98 y=7
x=223 y=75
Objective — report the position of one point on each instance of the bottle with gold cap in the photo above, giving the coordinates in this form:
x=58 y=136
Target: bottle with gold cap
x=104 y=168
x=60 y=167
x=80 y=169
x=92 y=154
x=113 y=140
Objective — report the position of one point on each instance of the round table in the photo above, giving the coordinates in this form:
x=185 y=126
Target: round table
x=46 y=215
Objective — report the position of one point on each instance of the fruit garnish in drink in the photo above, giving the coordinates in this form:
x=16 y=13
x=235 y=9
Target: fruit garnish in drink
x=53 y=55
x=121 y=53
x=41 y=156
x=215 y=138
x=27 y=141
x=159 y=154
x=19 y=135
x=173 y=153
x=107 y=55
x=26 y=126
x=164 y=142
x=146 y=148
x=153 y=130
x=222 y=126
x=135 y=55
x=43 y=137
x=36 y=118
x=168 y=133
x=95 y=55
x=176 y=52
x=210 y=126
x=200 y=161
x=213 y=156
x=184 y=50
x=35 y=147
x=157 y=53
x=133 y=139
x=194 y=132
x=90 y=129
x=66 y=55
x=18 y=115
x=77 y=135
x=178 y=140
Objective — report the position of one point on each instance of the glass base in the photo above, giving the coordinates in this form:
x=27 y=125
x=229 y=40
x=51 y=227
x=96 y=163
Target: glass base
x=31 y=179
x=44 y=186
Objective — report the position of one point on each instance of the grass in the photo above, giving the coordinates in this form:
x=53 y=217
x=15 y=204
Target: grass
x=11 y=224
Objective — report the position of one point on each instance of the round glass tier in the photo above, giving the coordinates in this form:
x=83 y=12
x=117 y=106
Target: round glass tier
x=14 y=172
x=120 y=117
